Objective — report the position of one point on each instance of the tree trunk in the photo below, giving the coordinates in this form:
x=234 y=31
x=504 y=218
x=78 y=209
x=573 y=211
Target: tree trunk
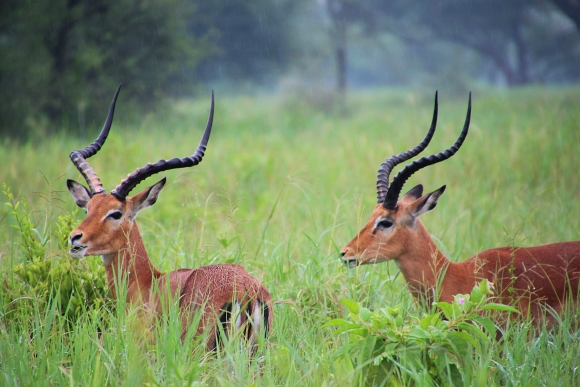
x=523 y=56
x=341 y=56
x=335 y=10
x=58 y=48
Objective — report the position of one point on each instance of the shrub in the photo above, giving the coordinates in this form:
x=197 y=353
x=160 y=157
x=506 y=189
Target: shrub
x=387 y=347
x=78 y=286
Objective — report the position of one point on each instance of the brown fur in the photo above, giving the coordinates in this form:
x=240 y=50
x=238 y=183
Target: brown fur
x=208 y=288
x=528 y=277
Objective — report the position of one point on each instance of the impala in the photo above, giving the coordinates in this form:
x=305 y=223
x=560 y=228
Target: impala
x=221 y=293
x=530 y=278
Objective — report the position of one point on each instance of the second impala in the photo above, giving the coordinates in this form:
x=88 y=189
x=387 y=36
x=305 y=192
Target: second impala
x=531 y=278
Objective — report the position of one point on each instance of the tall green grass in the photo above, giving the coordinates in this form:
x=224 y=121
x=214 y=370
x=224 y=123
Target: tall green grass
x=283 y=186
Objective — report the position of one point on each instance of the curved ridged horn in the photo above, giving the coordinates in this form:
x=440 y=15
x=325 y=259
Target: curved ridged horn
x=399 y=180
x=391 y=162
x=123 y=189
x=78 y=157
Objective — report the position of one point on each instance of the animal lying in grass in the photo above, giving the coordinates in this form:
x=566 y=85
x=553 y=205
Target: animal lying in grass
x=532 y=279
x=223 y=294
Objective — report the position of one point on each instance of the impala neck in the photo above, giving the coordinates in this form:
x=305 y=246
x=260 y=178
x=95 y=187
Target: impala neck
x=134 y=267
x=423 y=265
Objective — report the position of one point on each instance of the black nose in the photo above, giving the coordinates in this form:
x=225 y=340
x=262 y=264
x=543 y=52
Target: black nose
x=76 y=237
x=343 y=253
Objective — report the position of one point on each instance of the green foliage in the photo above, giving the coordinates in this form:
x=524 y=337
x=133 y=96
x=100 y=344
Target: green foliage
x=76 y=286
x=32 y=241
x=62 y=60
x=538 y=32
x=252 y=39
x=79 y=287
x=388 y=347
x=498 y=187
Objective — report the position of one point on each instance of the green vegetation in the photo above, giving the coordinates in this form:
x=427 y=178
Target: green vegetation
x=60 y=60
x=432 y=350
x=78 y=285
x=283 y=187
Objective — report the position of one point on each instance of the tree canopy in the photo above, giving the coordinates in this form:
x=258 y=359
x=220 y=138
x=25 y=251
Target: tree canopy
x=60 y=61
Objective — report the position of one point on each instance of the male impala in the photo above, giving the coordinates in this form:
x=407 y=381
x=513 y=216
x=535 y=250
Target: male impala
x=223 y=292
x=528 y=277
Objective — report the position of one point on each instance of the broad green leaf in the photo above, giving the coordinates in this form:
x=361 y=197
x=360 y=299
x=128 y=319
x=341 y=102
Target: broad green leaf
x=459 y=341
x=352 y=306
x=476 y=295
x=390 y=348
x=425 y=322
x=368 y=347
x=446 y=308
x=365 y=314
x=485 y=286
x=337 y=322
x=484 y=322
x=500 y=307
x=419 y=333
x=474 y=331
x=359 y=331
x=398 y=321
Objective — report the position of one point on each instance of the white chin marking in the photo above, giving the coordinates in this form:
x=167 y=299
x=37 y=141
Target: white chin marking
x=352 y=264
x=107 y=259
x=78 y=251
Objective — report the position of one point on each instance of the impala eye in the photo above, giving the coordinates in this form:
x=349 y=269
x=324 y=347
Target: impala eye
x=385 y=223
x=115 y=215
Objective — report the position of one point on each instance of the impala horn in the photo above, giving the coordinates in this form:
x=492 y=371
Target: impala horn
x=78 y=157
x=394 y=190
x=123 y=189
x=391 y=162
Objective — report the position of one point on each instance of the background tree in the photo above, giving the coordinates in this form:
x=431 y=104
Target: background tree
x=570 y=8
x=514 y=35
x=63 y=59
x=251 y=38
x=343 y=15
x=60 y=61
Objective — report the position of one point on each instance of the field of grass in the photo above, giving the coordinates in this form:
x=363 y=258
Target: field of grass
x=283 y=186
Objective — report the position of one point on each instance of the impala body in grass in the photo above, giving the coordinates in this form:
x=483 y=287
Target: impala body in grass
x=529 y=278
x=224 y=294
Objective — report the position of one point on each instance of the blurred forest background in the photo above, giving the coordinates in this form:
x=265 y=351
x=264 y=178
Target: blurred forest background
x=61 y=60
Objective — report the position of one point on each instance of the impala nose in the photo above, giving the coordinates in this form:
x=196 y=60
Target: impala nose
x=351 y=260
x=74 y=239
x=346 y=251
x=78 y=250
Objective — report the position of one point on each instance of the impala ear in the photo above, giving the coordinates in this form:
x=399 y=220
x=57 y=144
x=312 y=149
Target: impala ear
x=426 y=203
x=147 y=197
x=79 y=192
x=413 y=194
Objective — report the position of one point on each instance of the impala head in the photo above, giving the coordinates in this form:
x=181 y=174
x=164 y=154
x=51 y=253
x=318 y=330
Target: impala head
x=110 y=217
x=394 y=224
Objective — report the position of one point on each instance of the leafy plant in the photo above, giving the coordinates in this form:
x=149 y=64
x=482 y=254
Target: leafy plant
x=33 y=242
x=77 y=285
x=388 y=347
